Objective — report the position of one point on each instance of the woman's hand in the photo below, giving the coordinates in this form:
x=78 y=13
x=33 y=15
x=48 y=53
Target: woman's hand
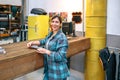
x=43 y=51
x=29 y=44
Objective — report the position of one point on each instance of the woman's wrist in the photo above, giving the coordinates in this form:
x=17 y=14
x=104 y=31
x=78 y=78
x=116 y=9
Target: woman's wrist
x=35 y=43
x=48 y=52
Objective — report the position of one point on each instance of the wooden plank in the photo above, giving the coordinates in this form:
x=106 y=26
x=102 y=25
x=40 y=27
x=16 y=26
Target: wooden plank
x=20 y=60
x=77 y=45
x=4 y=35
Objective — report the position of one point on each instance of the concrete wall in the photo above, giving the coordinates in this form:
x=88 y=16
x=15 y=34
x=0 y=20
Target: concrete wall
x=113 y=17
x=13 y=2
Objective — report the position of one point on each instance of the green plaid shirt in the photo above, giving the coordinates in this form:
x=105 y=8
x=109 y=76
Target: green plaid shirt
x=55 y=64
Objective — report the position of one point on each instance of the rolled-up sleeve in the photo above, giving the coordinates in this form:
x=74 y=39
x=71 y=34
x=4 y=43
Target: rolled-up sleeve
x=42 y=42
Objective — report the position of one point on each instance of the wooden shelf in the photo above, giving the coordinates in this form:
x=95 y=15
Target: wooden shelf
x=4 y=35
x=14 y=23
x=3 y=20
x=7 y=13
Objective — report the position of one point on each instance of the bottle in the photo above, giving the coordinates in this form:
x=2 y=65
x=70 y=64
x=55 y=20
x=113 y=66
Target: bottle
x=2 y=51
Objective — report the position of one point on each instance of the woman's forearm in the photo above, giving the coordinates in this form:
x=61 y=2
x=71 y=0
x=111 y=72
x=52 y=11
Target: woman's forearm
x=29 y=44
x=35 y=43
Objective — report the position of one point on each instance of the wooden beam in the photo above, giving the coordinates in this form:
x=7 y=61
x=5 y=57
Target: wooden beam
x=20 y=60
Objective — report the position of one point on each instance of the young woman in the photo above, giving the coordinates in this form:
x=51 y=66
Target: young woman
x=56 y=45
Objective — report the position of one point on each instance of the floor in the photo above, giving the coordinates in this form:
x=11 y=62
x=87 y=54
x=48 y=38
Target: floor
x=37 y=75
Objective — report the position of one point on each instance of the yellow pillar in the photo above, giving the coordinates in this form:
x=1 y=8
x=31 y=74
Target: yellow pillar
x=96 y=30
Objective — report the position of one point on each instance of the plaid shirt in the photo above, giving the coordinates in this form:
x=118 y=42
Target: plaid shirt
x=55 y=64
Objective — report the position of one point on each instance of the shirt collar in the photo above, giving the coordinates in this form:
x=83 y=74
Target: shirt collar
x=60 y=31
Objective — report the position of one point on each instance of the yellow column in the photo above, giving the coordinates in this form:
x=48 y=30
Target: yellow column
x=96 y=30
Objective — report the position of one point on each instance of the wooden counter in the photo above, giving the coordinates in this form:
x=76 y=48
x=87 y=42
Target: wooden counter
x=20 y=60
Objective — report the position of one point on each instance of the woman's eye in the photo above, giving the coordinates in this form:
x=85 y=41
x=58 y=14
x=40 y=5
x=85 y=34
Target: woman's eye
x=55 y=22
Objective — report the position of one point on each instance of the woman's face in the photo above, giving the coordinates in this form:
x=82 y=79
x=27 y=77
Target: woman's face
x=55 y=24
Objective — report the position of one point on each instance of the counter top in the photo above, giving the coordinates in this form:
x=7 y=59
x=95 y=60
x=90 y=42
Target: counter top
x=20 y=60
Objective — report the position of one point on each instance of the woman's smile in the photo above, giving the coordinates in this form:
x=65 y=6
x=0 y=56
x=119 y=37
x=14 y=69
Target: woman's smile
x=55 y=24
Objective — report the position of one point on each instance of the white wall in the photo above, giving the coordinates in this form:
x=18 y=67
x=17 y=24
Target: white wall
x=113 y=10
x=65 y=6
x=59 y=6
x=13 y=2
x=113 y=17
x=35 y=4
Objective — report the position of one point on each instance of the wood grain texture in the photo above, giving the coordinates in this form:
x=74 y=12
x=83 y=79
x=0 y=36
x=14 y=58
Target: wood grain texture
x=20 y=60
